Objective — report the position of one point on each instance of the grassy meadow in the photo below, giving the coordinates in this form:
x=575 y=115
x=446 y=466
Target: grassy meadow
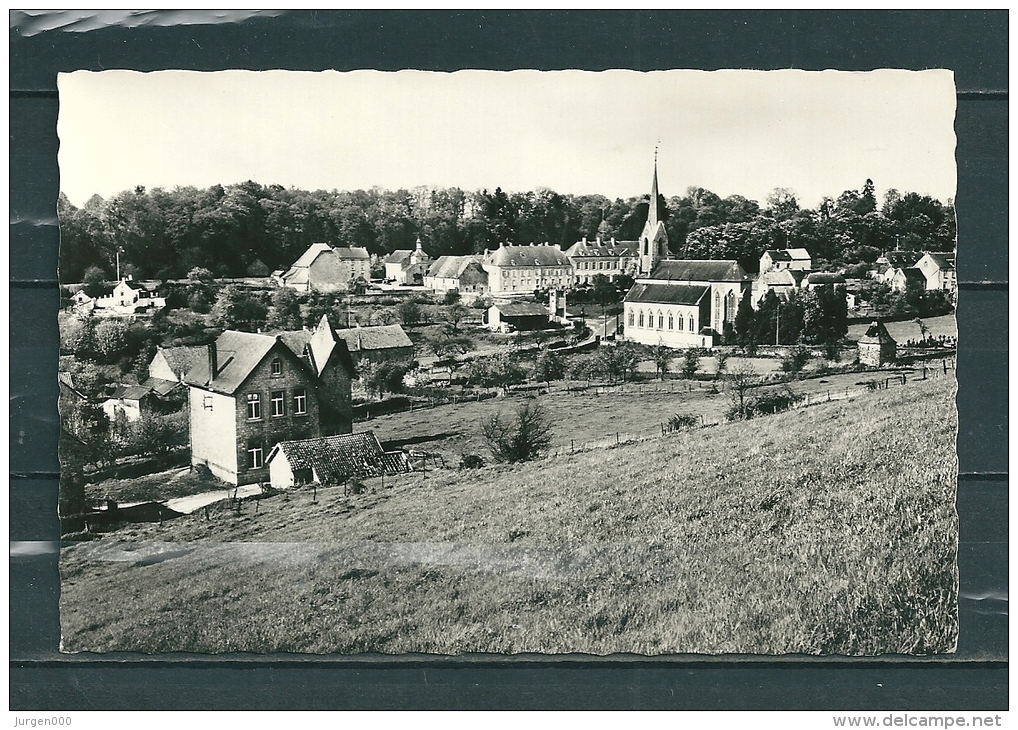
x=830 y=529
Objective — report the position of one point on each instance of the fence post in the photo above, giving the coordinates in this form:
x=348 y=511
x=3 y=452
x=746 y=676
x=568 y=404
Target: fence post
x=616 y=437
x=828 y=396
x=572 y=446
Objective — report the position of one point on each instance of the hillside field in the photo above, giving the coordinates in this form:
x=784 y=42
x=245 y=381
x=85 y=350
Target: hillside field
x=830 y=529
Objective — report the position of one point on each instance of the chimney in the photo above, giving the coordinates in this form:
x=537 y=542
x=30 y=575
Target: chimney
x=213 y=362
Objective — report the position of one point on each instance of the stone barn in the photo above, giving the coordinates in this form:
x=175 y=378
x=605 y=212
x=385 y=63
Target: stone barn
x=877 y=347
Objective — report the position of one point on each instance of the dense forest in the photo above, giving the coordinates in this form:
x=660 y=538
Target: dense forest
x=251 y=229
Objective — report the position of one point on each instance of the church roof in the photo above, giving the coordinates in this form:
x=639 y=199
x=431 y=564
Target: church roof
x=510 y=255
x=666 y=294
x=824 y=277
x=698 y=270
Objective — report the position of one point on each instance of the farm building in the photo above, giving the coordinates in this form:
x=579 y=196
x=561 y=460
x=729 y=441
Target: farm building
x=789 y=259
x=331 y=460
x=463 y=273
x=172 y=363
x=517 y=317
x=877 y=347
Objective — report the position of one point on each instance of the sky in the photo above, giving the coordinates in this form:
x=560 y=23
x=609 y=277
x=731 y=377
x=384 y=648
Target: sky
x=579 y=132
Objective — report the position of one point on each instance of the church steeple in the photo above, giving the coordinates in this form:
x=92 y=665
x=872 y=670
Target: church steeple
x=654 y=239
x=652 y=213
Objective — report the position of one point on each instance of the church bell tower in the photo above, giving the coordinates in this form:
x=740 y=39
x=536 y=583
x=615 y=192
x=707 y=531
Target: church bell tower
x=654 y=238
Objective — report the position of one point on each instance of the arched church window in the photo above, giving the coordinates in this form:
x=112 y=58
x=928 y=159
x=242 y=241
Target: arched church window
x=730 y=307
x=632 y=316
x=692 y=324
x=660 y=321
x=641 y=319
x=646 y=246
x=671 y=321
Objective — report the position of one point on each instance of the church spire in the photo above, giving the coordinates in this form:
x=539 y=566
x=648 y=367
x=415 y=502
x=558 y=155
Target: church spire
x=652 y=212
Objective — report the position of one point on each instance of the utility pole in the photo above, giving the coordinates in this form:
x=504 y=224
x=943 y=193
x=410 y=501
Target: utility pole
x=118 y=264
x=777 y=323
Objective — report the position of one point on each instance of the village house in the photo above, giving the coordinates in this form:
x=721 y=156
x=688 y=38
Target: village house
x=524 y=269
x=938 y=268
x=790 y=259
x=130 y=401
x=462 y=273
x=327 y=270
x=126 y=299
x=253 y=391
x=377 y=343
x=331 y=460
x=404 y=266
x=900 y=279
x=610 y=259
x=172 y=363
x=822 y=278
x=782 y=281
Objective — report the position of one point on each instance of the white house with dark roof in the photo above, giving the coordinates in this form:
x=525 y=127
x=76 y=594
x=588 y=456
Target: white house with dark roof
x=523 y=269
x=404 y=266
x=517 y=316
x=684 y=303
x=327 y=270
x=791 y=259
x=938 y=268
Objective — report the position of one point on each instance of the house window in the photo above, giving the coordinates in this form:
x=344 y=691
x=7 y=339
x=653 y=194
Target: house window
x=276 y=403
x=254 y=406
x=255 y=456
x=277 y=367
x=671 y=321
x=300 y=402
x=206 y=402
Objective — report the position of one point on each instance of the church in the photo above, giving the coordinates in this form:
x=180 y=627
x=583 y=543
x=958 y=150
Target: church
x=679 y=303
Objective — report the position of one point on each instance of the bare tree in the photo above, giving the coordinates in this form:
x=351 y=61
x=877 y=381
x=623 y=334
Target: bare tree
x=740 y=380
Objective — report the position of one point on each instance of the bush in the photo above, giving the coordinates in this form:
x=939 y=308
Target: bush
x=471 y=461
x=521 y=438
x=680 y=422
x=775 y=401
x=795 y=360
x=452 y=296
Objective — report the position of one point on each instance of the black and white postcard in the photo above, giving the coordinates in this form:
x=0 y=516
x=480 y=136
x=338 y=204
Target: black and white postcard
x=508 y=362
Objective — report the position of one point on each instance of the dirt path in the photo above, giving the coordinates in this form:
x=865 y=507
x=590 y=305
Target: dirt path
x=187 y=505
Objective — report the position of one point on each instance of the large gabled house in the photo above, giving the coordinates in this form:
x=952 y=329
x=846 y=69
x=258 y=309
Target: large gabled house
x=253 y=391
x=523 y=269
x=938 y=268
x=325 y=270
x=609 y=258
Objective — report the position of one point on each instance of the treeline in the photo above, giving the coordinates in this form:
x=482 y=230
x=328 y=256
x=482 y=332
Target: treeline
x=250 y=229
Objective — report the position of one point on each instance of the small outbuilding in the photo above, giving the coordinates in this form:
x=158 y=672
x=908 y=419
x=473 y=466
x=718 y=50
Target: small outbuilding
x=331 y=460
x=877 y=347
x=518 y=317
